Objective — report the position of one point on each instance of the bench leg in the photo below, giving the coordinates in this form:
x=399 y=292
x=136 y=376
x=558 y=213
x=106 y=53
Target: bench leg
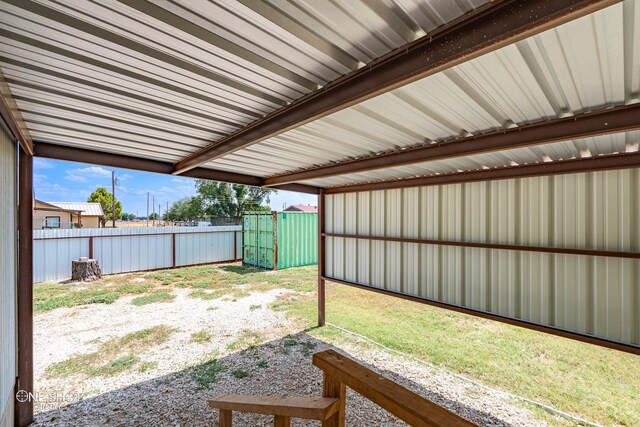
x=334 y=388
x=282 y=421
x=225 y=418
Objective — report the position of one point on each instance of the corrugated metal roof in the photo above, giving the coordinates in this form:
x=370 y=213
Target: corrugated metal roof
x=161 y=79
x=87 y=208
x=584 y=65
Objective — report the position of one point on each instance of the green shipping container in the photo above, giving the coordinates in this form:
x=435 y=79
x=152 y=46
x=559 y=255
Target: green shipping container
x=275 y=240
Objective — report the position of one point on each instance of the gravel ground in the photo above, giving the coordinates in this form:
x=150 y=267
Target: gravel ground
x=168 y=396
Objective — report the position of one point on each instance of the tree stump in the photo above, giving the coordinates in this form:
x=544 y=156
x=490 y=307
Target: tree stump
x=85 y=270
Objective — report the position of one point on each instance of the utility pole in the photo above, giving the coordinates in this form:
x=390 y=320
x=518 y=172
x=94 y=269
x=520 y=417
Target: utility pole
x=113 y=198
x=147 y=209
x=159 y=213
x=153 y=207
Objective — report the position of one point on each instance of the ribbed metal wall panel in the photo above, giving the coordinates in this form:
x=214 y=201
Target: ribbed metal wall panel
x=8 y=275
x=122 y=250
x=599 y=296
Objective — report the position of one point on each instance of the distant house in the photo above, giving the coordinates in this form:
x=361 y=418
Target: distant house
x=302 y=208
x=66 y=214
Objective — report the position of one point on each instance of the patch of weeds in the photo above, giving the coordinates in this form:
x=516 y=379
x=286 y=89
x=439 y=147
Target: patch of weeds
x=115 y=367
x=232 y=293
x=290 y=342
x=255 y=307
x=134 y=288
x=147 y=366
x=207 y=374
x=201 y=337
x=307 y=348
x=262 y=364
x=246 y=340
x=208 y=295
x=113 y=356
x=212 y=308
x=239 y=373
x=153 y=298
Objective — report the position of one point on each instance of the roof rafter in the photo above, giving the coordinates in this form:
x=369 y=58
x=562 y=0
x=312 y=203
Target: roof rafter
x=73 y=154
x=612 y=120
x=483 y=30
x=561 y=167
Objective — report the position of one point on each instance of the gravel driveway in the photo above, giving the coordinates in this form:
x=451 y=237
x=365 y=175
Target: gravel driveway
x=277 y=361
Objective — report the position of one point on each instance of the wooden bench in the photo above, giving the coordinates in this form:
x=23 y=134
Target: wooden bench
x=339 y=373
x=283 y=408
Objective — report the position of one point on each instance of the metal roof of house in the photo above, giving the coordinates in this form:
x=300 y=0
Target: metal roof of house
x=164 y=80
x=302 y=208
x=87 y=208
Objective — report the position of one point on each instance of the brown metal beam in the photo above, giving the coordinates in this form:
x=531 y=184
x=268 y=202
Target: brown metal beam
x=73 y=154
x=13 y=118
x=618 y=119
x=628 y=348
x=24 y=409
x=543 y=249
x=561 y=167
x=490 y=27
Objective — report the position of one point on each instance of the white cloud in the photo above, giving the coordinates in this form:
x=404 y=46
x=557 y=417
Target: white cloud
x=40 y=163
x=81 y=174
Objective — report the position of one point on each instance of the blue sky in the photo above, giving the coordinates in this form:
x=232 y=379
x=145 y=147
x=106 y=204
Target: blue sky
x=58 y=181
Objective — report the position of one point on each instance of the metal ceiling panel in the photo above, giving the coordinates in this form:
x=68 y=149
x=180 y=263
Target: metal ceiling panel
x=185 y=73
x=584 y=65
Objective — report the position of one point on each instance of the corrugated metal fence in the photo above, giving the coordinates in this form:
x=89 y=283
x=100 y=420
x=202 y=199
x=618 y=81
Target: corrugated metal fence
x=593 y=295
x=122 y=250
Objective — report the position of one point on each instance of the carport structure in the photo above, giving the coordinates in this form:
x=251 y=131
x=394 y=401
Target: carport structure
x=477 y=156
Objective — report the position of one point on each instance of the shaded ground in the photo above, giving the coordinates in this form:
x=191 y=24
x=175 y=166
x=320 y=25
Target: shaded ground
x=150 y=348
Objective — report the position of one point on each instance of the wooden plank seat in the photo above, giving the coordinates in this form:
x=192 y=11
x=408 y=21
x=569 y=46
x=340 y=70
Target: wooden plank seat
x=283 y=408
x=339 y=373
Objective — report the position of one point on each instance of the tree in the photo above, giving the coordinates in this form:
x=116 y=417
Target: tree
x=127 y=216
x=220 y=199
x=187 y=209
x=153 y=216
x=102 y=196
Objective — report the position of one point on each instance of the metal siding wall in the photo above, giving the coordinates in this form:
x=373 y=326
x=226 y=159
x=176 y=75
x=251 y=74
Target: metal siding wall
x=8 y=276
x=297 y=236
x=585 y=294
x=132 y=249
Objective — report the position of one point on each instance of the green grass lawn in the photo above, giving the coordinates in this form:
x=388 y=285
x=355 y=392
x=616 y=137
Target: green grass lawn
x=591 y=382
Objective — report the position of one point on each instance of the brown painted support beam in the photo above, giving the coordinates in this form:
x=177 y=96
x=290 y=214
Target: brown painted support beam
x=499 y=318
x=612 y=120
x=13 y=118
x=460 y=244
x=561 y=167
x=24 y=409
x=486 y=29
x=73 y=154
x=321 y=241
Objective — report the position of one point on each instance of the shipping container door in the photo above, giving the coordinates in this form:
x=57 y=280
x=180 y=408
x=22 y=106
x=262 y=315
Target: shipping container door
x=258 y=240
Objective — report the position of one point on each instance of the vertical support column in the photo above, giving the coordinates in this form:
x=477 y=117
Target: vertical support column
x=226 y=418
x=321 y=290
x=331 y=387
x=173 y=249
x=90 y=247
x=235 y=245
x=24 y=410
